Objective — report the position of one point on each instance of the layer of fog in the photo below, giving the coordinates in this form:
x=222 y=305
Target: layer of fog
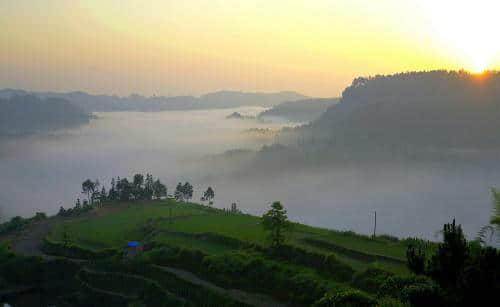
x=43 y=172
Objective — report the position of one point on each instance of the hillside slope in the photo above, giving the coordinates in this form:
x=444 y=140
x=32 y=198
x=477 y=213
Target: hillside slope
x=305 y=110
x=437 y=109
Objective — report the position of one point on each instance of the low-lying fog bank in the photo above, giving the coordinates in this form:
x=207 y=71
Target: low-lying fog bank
x=41 y=173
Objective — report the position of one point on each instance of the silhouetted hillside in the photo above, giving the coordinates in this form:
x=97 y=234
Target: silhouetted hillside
x=20 y=115
x=304 y=110
x=436 y=109
x=105 y=103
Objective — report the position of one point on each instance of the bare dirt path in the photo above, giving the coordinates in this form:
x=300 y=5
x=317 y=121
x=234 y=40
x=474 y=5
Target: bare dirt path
x=29 y=241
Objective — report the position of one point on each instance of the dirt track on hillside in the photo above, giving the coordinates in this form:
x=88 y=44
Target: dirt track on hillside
x=29 y=241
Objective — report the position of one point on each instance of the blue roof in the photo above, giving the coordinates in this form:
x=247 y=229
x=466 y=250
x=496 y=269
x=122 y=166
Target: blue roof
x=133 y=243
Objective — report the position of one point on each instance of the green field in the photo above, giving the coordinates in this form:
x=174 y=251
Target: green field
x=192 y=251
x=183 y=225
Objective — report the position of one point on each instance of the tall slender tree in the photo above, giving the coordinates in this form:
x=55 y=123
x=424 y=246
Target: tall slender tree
x=209 y=196
x=88 y=187
x=276 y=222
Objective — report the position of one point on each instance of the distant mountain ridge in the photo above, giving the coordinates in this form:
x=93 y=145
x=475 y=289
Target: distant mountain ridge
x=25 y=114
x=105 y=103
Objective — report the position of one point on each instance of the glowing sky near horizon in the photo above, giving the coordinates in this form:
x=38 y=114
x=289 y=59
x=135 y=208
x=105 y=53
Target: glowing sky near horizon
x=197 y=46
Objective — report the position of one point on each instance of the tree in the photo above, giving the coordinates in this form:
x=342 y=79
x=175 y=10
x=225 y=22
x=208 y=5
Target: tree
x=78 y=205
x=468 y=273
x=88 y=187
x=209 y=195
x=62 y=211
x=137 y=183
x=234 y=208
x=494 y=226
x=113 y=195
x=103 y=196
x=415 y=259
x=159 y=189
x=138 y=180
x=276 y=222
x=125 y=189
x=179 y=192
x=149 y=186
x=187 y=191
x=447 y=265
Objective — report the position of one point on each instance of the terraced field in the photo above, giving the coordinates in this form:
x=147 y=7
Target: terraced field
x=189 y=225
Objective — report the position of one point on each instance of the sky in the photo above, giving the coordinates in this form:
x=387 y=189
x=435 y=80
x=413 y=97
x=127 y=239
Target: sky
x=191 y=47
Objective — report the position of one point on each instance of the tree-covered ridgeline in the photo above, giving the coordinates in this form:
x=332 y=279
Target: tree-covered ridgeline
x=140 y=187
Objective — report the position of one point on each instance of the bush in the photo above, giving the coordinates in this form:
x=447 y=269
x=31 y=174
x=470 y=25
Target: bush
x=395 y=285
x=73 y=251
x=178 y=257
x=347 y=298
x=15 y=223
x=370 y=280
x=427 y=294
x=325 y=264
x=391 y=302
x=22 y=270
x=305 y=285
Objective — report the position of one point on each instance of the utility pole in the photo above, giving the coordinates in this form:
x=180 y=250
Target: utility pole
x=375 y=225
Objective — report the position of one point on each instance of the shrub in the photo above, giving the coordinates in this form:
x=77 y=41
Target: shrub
x=371 y=279
x=391 y=302
x=427 y=294
x=395 y=285
x=347 y=298
x=15 y=223
x=252 y=271
x=305 y=285
x=73 y=251
x=179 y=257
x=325 y=264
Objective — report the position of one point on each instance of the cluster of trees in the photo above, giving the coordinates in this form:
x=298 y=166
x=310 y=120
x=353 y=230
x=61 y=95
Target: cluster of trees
x=208 y=196
x=183 y=192
x=79 y=208
x=466 y=273
x=18 y=222
x=140 y=188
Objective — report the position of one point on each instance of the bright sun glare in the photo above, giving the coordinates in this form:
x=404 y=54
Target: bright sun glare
x=468 y=28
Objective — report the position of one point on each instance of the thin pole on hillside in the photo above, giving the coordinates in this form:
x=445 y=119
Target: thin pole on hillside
x=375 y=225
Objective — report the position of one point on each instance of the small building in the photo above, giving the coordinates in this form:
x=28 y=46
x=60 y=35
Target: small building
x=133 y=248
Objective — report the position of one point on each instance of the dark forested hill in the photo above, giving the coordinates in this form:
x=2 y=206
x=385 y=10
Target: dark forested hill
x=21 y=115
x=105 y=103
x=437 y=109
x=304 y=110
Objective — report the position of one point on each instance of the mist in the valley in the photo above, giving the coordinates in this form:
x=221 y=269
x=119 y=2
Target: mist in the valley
x=42 y=172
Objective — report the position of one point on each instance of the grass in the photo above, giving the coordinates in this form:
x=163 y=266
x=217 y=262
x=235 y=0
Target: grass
x=117 y=227
x=167 y=221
